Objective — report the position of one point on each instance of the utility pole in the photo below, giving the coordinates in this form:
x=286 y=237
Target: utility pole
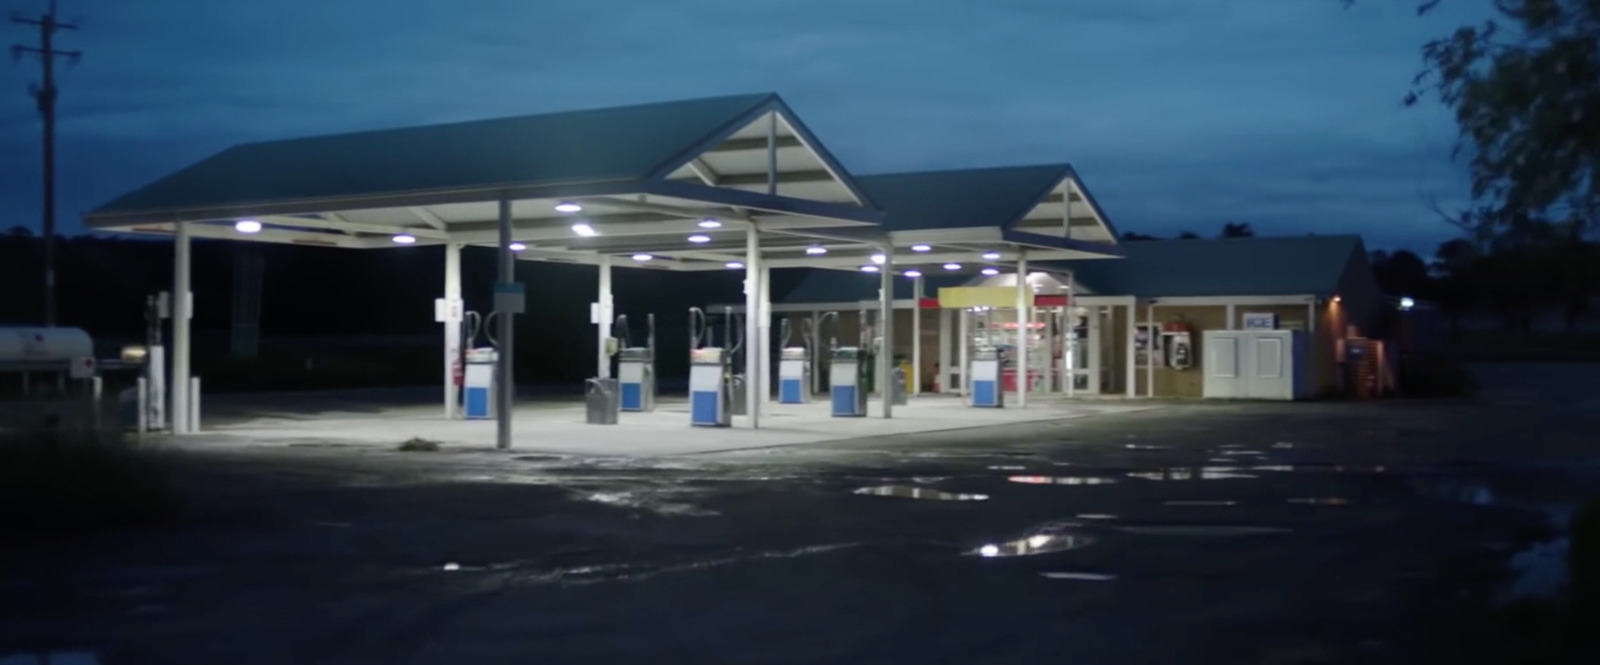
x=45 y=94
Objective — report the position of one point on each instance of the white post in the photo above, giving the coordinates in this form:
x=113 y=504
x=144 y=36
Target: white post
x=964 y=323
x=194 y=404
x=945 y=355
x=505 y=337
x=1229 y=313
x=752 y=324
x=452 y=329
x=1154 y=333
x=766 y=334
x=1024 y=316
x=605 y=313
x=1131 y=371
x=886 y=330
x=143 y=420
x=182 y=303
x=916 y=335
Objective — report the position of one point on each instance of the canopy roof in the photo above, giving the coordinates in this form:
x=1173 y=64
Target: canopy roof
x=1267 y=266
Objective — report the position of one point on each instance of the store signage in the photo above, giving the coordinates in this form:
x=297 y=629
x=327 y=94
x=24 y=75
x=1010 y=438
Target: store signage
x=1260 y=321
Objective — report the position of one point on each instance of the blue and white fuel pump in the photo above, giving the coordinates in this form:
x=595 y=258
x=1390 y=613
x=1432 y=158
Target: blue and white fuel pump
x=985 y=371
x=708 y=376
x=479 y=380
x=794 y=368
x=847 y=387
x=636 y=366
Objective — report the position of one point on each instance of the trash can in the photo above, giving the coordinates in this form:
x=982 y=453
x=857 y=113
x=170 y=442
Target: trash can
x=897 y=386
x=736 y=393
x=602 y=402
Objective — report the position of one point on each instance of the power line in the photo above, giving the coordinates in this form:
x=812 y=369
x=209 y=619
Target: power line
x=45 y=94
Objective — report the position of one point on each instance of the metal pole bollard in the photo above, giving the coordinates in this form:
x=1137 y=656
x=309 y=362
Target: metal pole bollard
x=602 y=403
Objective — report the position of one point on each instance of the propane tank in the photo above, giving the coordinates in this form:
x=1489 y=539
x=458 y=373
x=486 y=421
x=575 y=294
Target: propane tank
x=32 y=346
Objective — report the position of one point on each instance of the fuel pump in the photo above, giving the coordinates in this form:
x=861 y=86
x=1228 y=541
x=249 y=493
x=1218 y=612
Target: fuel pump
x=814 y=330
x=794 y=367
x=708 y=375
x=849 y=375
x=479 y=379
x=733 y=330
x=636 y=365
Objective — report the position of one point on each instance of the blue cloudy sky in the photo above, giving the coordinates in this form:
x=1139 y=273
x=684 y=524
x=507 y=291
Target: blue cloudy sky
x=1179 y=114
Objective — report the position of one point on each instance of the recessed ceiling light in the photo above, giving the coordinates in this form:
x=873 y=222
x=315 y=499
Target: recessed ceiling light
x=879 y=259
x=991 y=271
x=816 y=250
x=642 y=257
x=735 y=264
x=869 y=268
x=568 y=206
x=952 y=266
x=912 y=273
x=584 y=230
x=247 y=226
x=921 y=248
x=991 y=256
x=697 y=238
x=517 y=246
x=404 y=239
x=710 y=224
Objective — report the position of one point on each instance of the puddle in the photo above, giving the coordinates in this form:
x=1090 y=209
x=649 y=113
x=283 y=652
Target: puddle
x=1008 y=467
x=322 y=445
x=1194 y=473
x=1321 y=501
x=1062 y=480
x=1202 y=530
x=1199 y=503
x=1095 y=516
x=1242 y=453
x=1144 y=446
x=904 y=492
x=1283 y=445
x=1046 y=539
x=1086 y=577
x=538 y=458
x=1316 y=468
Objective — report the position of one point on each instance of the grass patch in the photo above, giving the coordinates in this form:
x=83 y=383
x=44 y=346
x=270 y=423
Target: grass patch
x=57 y=482
x=419 y=445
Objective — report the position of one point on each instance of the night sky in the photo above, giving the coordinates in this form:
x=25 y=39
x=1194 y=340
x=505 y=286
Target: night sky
x=1179 y=114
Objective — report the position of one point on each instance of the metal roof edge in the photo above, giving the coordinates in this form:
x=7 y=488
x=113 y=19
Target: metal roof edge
x=760 y=103
x=1072 y=172
x=845 y=175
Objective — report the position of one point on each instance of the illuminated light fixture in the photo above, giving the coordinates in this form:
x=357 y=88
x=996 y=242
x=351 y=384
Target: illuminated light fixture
x=991 y=271
x=921 y=248
x=879 y=259
x=247 y=226
x=584 y=230
x=404 y=239
x=1336 y=298
x=991 y=256
x=735 y=264
x=698 y=238
x=642 y=257
x=816 y=250
x=869 y=268
x=952 y=266
x=1407 y=303
x=568 y=206
x=517 y=246
x=710 y=224
x=912 y=273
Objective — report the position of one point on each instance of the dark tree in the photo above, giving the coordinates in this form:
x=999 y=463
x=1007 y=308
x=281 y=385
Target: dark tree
x=1188 y=235
x=1130 y=236
x=1237 y=230
x=1402 y=273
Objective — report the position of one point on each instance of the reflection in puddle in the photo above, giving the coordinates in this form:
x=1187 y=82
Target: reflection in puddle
x=1316 y=468
x=1096 y=516
x=1199 y=503
x=1061 y=480
x=1046 y=539
x=1143 y=446
x=1196 y=473
x=1282 y=445
x=919 y=493
x=1245 y=453
x=1087 y=577
x=1321 y=501
x=1201 y=530
x=1007 y=467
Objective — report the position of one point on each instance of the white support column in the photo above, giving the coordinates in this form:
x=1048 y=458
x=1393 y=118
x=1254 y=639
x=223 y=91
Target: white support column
x=452 y=329
x=1230 y=325
x=1073 y=344
x=945 y=350
x=1132 y=354
x=505 y=336
x=886 y=330
x=605 y=311
x=182 y=304
x=1155 y=337
x=766 y=334
x=752 y=325
x=916 y=335
x=964 y=342
x=1024 y=316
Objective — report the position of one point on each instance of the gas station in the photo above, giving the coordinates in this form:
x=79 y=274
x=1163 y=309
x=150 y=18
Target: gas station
x=730 y=183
